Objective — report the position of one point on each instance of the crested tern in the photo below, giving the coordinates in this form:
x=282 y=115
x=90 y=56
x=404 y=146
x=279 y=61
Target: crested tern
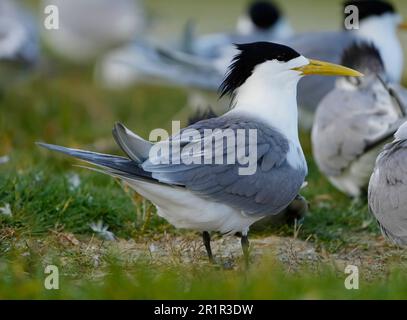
x=217 y=196
x=387 y=194
x=378 y=24
x=355 y=120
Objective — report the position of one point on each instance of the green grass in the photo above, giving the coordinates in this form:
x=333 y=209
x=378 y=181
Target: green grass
x=142 y=281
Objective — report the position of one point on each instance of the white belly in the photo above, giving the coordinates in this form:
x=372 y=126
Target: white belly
x=183 y=209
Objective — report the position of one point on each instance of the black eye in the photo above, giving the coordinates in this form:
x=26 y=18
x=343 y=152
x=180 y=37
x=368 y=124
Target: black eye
x=355 y=81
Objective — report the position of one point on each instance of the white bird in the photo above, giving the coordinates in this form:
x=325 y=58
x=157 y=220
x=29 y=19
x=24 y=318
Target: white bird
x=387 y=194
x=89 y=28
x=355 y=120
x=203 y=193
x=19 y=50
x=142 y=61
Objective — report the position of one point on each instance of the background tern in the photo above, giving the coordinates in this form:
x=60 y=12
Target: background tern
x=355 y=120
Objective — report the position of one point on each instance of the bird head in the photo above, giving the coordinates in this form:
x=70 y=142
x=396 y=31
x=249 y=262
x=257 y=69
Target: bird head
x=267 y=62
x=366 y=58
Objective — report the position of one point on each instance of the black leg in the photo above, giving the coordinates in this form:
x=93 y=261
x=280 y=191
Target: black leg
x=207 y=242
x=245 y=247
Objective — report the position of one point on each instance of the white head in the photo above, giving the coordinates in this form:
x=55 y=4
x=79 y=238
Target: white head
x=401 y=133
x=378 y=23
x=263 y=80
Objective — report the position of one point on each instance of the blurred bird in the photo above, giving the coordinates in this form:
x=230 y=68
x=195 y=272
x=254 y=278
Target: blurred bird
x=355 y=120
x=19 y=50
x=262 y=79
x=142 y=61
x=378 y=24
x=262 y=21
x=387 y=194
x=89 y=28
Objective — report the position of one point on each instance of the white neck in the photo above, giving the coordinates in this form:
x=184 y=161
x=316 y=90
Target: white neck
x=271 y=99
x=382 y=31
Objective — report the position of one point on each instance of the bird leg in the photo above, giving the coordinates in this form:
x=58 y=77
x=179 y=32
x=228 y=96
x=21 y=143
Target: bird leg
x=207 y=242
x=245 y=247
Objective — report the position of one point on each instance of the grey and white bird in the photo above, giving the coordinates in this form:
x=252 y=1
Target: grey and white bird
x=19 y=49
x=378 y=24
x=387 y=194
x=202 y=193
x=147 y=62
x=262 y=21
x=87 y=29
x=355 y=120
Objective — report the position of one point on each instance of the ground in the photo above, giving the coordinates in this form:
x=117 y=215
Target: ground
x=47 y=207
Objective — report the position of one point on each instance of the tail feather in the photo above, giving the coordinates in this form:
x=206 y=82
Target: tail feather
x=134 y=146
x=114 y=165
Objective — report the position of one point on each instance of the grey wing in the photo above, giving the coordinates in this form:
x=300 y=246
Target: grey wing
x=149 y=63
x=199 y=72
x=387 y=193
x=345 y=128
x=267 y=191
x=326 y=46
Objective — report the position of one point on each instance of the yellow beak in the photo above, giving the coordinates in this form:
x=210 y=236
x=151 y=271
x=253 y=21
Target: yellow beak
x=403 y=26
x=322 y=68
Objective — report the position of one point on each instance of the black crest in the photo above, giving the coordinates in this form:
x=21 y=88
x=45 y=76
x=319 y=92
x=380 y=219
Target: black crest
x=263 y=14
x=251 y=55
x=369 y=8
x=364 y=57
